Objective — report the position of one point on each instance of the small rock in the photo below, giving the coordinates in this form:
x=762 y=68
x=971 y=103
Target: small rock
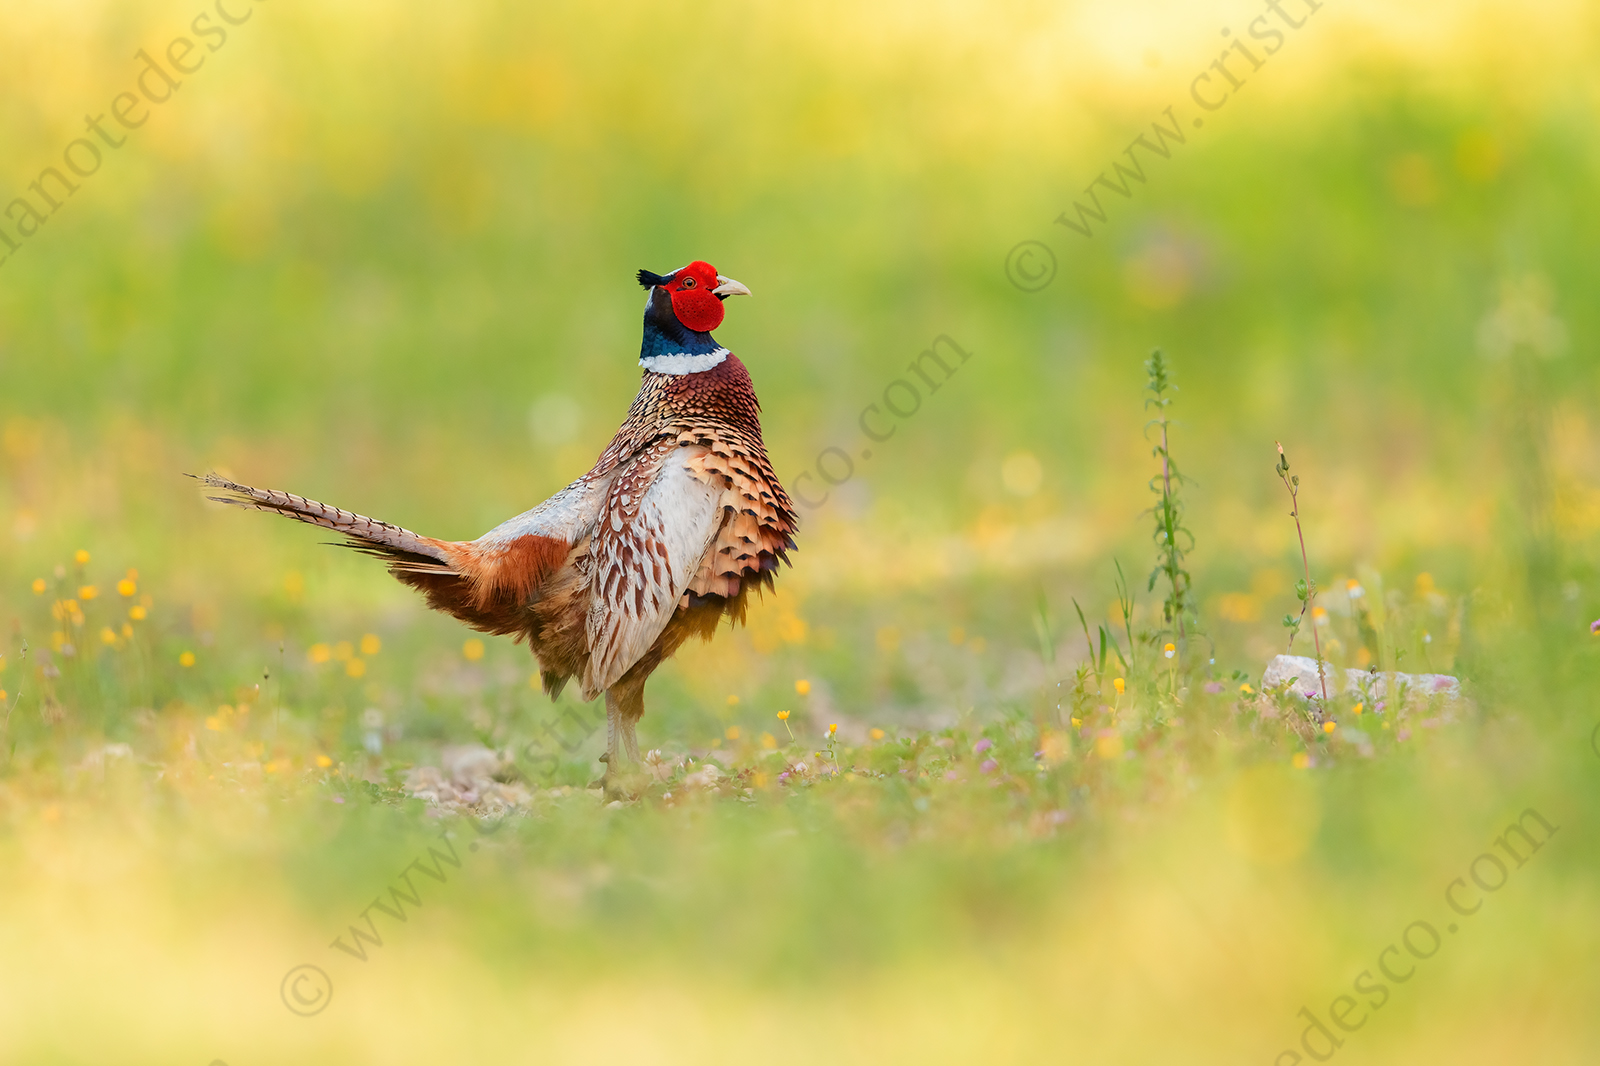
x=1284 y=667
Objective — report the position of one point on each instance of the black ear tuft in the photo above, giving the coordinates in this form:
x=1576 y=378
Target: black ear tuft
x=649 y=280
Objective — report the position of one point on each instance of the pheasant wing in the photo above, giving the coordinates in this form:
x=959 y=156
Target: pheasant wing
x=660 y=516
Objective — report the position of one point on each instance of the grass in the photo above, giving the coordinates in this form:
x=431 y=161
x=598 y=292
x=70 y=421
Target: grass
x=387 y=263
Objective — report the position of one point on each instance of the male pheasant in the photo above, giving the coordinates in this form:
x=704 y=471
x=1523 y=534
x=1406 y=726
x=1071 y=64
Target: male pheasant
x=675 y=524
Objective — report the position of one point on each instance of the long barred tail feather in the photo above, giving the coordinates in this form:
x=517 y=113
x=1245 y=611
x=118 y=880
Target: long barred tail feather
x=403 y=550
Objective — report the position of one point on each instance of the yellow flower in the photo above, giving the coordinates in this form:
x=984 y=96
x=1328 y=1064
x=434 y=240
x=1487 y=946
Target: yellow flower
x=186 y=659
x=127 y=630
x=472 y=649
x=802 y=686
x=534 y=681
x=324 y=762
x=783 y=716
x=355 y=668
x=87 y=592
x=768 y=741
x=1360 y=707
x=876 y=734
x=319 y=653
x=344 y=650
x=1120 y=685
x=958 y=636
x=1077 y=722
x=1328 y=727
x=733 y=732
x=1170 y=650
x=733 y=701
x=1301 y=760
x=108 y=635
x=1246 y=689
x=136 y=612
x=127 y=586
x=3 y=696
x=371 y=645
x=80 y=556
x=214 y=723
x=832 y=729
x=39 y=586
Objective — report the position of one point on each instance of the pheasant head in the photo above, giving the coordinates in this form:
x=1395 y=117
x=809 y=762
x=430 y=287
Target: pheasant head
x=683 y=308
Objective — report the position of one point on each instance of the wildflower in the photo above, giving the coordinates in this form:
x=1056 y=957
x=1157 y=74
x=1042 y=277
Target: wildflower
x=39 y=586
x=1594 y=627
x=783 y=716
x=1108 y=745
x=1328 y=727
x=1246 y=689
x=1120 y=685
x=802 y=687
x=733 y=701
x=319 y=653
x=1360 y=707
x=1353 y=589
x=958 y=636
x=1169 y=650
x=876 y=734
x=323 y=761
x=768 y=741
x=472 y=649
x=214 y=723
x=732 y=732
x=832 y=729
x=186 y=659
x=80 y=557
x=1319 y=615
x=127 y=586
x=136 y=612
x=355 y=668
x=1213 y=687
x=108 y=635
x=1301 y=760
x=1077 y=722
x=989 y=766
x=3 y=696
x=982 y=746
x=371 y=645
x=1427 y=638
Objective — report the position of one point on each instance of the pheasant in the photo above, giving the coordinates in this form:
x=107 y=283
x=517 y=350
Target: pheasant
x=677 y=522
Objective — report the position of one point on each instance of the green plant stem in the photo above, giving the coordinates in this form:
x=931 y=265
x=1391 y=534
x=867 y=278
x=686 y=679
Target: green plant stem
x=1311 y=589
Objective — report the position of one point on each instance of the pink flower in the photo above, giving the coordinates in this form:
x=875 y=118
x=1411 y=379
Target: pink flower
x=1213 y=687
x=982 y=746
x=989 y=766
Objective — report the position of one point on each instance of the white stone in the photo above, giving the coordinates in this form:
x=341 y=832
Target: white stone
x=1376 y=685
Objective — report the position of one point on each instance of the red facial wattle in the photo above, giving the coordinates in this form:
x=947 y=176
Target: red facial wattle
x=692 y=299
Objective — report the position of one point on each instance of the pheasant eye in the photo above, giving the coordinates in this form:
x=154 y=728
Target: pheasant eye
x=688 y=283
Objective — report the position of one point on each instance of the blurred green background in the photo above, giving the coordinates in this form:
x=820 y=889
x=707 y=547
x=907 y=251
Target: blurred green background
x=382 y=255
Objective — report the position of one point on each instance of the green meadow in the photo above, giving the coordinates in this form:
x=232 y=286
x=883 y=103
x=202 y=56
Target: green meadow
x=995 y=775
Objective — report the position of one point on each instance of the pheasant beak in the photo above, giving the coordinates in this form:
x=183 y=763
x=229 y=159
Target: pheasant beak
x=727 y=287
